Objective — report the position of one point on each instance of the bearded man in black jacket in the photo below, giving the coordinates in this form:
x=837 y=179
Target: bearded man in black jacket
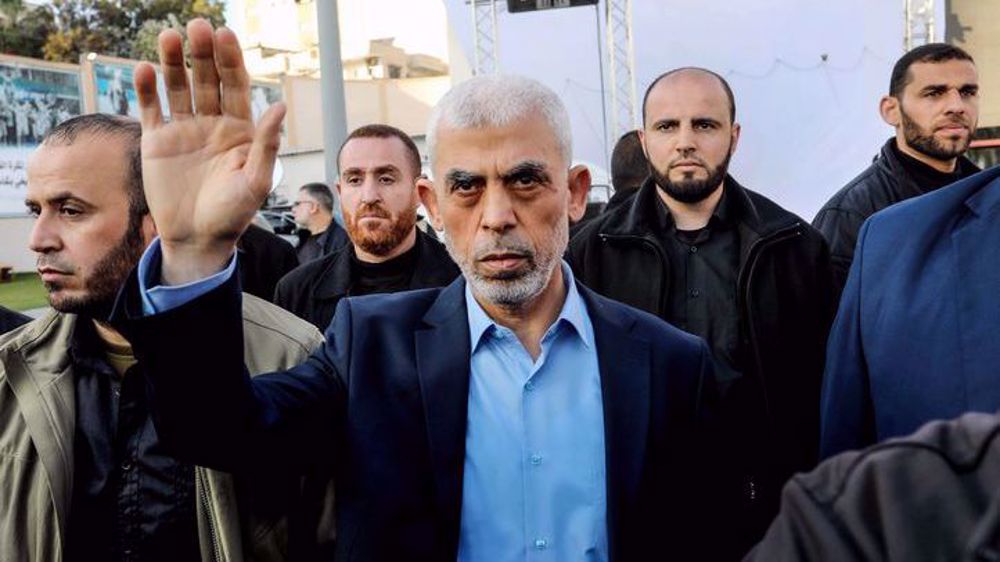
x=379 y=167
x=722 y=262
x=933 y=103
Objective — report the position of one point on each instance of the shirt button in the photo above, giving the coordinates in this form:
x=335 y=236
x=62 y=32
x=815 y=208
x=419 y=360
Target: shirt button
x=127 y=465
x=529 y=386
x=536 y=459
x=693 y=249
x=541 y=544
x=695 y=293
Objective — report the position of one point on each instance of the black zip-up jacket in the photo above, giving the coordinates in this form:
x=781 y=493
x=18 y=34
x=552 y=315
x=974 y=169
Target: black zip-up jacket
x=884 y=183
x=786 y=306
x=934 y=495
x=312 y=290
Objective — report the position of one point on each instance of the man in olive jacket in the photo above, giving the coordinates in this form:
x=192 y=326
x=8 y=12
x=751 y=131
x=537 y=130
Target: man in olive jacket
x=82 y=472
x=699 y=250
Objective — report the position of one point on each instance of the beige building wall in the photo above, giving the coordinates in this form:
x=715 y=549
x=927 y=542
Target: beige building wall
x=14 y=232
x=974 y=25
x=405 y=104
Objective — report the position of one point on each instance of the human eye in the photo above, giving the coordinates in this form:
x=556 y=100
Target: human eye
x=33 y=210
x=525 y=180
x=70 y=211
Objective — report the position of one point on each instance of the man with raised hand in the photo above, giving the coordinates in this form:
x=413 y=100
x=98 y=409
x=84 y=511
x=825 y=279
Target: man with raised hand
x=512 y=413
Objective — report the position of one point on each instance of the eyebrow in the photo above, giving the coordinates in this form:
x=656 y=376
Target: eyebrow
x=456 y=175
x=938 y=87
x=526 y=167
x=387 y=168
x=61 y=197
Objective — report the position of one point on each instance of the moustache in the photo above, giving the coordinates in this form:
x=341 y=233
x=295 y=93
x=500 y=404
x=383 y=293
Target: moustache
x=52 y=262
x=507 y=245
x=687 y=161
x=371 y=210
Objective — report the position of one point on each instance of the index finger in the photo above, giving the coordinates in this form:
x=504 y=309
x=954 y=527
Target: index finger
x=150 y=113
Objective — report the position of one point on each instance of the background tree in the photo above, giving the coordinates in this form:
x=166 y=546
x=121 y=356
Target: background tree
x=23 y=28
x=65 y=29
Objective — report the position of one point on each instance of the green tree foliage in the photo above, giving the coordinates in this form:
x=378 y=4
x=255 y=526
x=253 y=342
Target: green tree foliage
x=121 y=28
x=24 y=29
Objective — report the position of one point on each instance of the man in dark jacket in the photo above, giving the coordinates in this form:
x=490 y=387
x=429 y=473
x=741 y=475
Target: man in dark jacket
x=318 y=234
x=722 y=262
x=933 y=103
x=628 y=169
x=264 y=259
x=379 y=166
x=934 y=495
x=10 y=319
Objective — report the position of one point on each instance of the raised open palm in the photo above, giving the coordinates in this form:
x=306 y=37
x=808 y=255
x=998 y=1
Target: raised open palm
x=208 y=170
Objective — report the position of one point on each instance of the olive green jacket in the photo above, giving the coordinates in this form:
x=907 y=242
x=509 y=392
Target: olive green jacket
x=37 y=425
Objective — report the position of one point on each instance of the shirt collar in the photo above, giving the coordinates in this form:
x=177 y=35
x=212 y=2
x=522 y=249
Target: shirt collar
x=722 y=216
x=573 y=313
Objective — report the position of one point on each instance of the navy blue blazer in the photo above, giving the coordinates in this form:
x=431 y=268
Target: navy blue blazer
x=384 y=404
x=916 y=337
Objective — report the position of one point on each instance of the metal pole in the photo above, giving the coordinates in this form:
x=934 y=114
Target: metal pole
x=604 y=106
x=908 y=26
x=334 y=114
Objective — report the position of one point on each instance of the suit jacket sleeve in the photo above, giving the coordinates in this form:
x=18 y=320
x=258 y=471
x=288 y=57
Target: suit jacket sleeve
x=846 y=419
x=205 y=406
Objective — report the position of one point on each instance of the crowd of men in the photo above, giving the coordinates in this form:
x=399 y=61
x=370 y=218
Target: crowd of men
x=662 y=384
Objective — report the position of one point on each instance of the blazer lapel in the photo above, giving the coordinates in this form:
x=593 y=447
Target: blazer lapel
x=442 y=352
x=625 y=366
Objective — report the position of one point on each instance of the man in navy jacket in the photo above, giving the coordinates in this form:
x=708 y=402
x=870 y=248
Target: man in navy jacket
x=512 y=412
x=915 y=339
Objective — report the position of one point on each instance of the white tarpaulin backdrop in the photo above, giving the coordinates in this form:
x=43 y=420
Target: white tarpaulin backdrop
x=809 y=124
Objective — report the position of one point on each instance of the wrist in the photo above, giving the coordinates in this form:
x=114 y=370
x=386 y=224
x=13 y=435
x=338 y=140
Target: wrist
x=188 y=262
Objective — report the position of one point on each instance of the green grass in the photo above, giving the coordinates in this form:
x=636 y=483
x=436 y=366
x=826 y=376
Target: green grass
x=24 y=292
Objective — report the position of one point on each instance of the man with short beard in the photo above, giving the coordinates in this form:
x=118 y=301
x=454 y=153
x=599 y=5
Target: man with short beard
x=83 y=473
x=933 y=103
x=699 y=250
x=512 y=414
x=379 y=166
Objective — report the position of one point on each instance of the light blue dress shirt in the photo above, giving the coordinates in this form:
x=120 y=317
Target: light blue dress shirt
x=534 y=485
x=161 y=298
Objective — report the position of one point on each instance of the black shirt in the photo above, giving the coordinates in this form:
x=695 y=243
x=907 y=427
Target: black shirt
x=131 y=500
x=389 y=276
x=704 y=265
x=927 y=178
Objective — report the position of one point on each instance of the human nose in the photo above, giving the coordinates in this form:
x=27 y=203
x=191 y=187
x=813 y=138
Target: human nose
x=370 y=191
x=44 y=236
x=498 y=209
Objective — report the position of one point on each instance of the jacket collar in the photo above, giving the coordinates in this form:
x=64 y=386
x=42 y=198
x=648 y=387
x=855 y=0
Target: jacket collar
x=335 y=278
x=443 y=352
x=752 y=213
x=40 y=374
x=985 y=196
x=896 y=173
